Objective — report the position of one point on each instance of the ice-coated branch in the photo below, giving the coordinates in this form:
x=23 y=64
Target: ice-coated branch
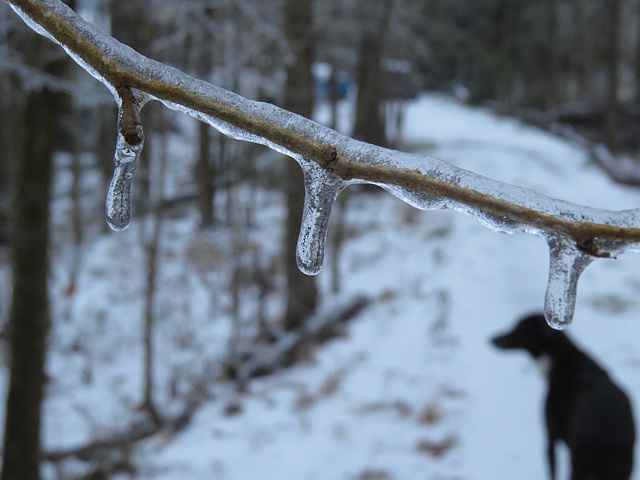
x=331 y=161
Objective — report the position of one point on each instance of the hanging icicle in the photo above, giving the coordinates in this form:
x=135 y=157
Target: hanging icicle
x=127 y=155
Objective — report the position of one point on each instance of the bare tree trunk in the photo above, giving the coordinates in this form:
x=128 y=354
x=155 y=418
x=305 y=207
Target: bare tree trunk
x=370 y=122
x=302 y=294
x=37 y=118
x=235 y=206
x=29 y=318
x=205 y=170
x=613 y=8
x=334 y=97
x=582 y=46
x=152 y=244
x=75 y=194
x=637 y=53
x=130 y=24
x=6 y=146
x=337 y=240
x=6 y=129
x=369 y=125
x=205 y=176
x=507 y=29
x=552 y=71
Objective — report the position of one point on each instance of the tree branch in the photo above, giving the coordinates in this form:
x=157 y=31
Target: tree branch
x=501 y=206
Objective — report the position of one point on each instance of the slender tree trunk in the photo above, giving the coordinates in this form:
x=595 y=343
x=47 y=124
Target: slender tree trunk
x=130 y=23
x=75 y=194
x=637 y=53
x=29 y=318
x=370 y=123
x=552 y=70
x=613 y=55
x=334 y=97
x=7 y=149
x=35 y=128
x=302 y=294
x=205 y=176
x=236 y=208
x=337 y=241
x=6 y=129
x=152 y=246
x=506 y=48
x=205 y=170
x=582 y=46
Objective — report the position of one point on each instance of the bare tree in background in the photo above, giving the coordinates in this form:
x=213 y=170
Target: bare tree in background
x=302 y=293
x=370 y=122
x=338 y=157
x=151 y=240
x=37 y=113
x=6 y=133
x=613 y=13
x=205 y=171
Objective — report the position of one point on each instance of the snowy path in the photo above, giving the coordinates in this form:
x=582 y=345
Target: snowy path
x=415 y=391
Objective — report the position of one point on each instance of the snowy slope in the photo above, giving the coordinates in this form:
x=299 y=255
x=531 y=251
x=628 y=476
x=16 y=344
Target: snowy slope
x=414 y=390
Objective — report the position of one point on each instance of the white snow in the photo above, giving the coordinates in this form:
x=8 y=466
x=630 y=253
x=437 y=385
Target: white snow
x=413 y=390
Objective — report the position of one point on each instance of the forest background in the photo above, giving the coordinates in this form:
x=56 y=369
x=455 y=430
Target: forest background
x=557 y=63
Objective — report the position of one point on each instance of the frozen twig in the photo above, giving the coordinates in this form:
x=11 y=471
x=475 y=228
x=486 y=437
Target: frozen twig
x=332 y=161
x=123 y=67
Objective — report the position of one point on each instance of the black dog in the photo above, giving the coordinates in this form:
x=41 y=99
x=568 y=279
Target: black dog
x=584 y=408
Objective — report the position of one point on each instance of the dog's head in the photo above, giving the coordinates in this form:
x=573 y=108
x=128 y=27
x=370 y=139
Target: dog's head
x=531 y=334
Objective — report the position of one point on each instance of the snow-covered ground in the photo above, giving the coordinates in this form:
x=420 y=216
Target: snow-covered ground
x=414 y=390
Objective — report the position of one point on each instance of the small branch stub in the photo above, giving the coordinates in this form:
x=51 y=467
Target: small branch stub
x=129 y=124
x=590 y=247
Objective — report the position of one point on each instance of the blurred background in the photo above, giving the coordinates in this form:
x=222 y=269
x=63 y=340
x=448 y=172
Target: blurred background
x=190 y=346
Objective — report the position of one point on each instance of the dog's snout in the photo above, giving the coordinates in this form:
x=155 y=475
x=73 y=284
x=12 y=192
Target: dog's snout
x=501 y=341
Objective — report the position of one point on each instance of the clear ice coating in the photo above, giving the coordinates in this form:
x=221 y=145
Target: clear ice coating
x=416 y=198
x=127 y=155
x=566 y=264
x=321 y=190
x=567 y=260
x=118 y=203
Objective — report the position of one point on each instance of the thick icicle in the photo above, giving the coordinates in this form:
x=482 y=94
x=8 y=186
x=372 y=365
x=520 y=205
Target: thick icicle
x=566 y=265
x=321 y=191
x=128 y=148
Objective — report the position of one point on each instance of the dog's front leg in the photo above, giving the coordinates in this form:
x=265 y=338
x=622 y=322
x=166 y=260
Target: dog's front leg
x=551 y=456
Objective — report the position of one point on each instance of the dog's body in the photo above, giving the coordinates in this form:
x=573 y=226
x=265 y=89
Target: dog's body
x=584 y=408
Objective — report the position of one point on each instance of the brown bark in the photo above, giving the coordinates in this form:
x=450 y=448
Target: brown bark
x=29 y=318
x=36 y=130
x=315 y=142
